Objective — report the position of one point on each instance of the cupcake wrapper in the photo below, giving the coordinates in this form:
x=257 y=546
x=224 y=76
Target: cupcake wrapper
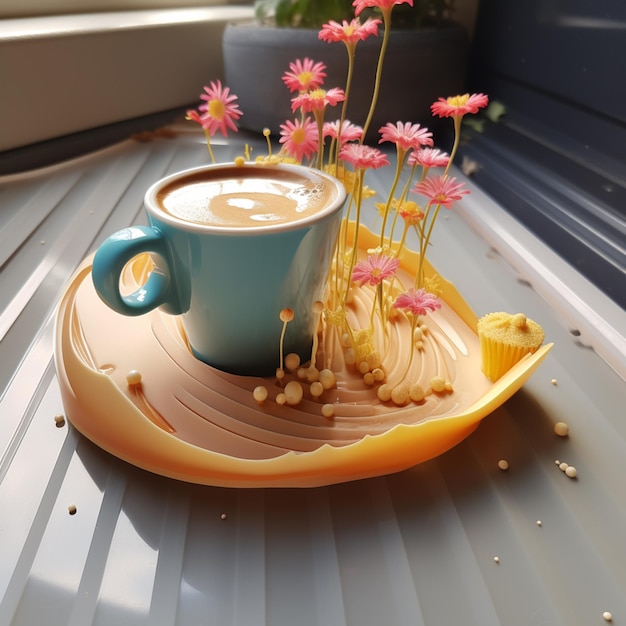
x=497 y=358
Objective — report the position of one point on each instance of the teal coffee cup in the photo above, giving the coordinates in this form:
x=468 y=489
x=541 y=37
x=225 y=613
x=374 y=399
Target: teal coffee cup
x=232 y=246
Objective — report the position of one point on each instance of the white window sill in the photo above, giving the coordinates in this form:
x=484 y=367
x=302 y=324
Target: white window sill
x=65 y=74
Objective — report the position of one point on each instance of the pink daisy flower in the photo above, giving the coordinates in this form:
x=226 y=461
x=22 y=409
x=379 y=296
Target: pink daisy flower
x=457 y=106
x=406 y=135
x=428 y=157
x=363 y=157
x=318 y=99
x=384 y=5
x=349 y=32
x=375 y=269
x=440 y=190
x=417 y=301
x=349 y=131
x=219 y=110
x=299 y=139
x=304 y=75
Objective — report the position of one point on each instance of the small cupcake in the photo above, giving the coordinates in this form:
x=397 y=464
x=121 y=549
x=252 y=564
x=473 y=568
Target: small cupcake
x=504 y=340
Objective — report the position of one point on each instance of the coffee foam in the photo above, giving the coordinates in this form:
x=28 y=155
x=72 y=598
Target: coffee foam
x=244 y=197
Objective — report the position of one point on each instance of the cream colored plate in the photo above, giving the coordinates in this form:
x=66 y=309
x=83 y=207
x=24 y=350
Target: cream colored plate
x=191 y=422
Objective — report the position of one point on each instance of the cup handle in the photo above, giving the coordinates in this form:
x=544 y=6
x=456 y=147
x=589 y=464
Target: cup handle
x=115 y=253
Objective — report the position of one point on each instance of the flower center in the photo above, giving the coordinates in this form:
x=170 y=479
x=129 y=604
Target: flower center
x=458 y=101
x=305 y=78
x=298 y=136
x=216 y=109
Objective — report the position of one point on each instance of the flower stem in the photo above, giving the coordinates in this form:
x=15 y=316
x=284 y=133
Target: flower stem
x=424 y=244
x=357 y=221
x=457 y=138
x=343 y=240
x=344 y=106
x=319 y=118
x=399 y=164
x=379 y=70
x=266 y=133
x=208 y=144
x=405 y=230
x=403 y=196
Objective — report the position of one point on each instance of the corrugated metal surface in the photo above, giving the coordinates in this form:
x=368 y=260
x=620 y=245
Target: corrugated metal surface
x=413 y=548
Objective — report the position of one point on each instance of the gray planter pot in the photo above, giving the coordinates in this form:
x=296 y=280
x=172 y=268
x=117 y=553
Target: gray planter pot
x=420 y=66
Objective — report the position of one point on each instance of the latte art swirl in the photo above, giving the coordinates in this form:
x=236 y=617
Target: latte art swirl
x=244 y=197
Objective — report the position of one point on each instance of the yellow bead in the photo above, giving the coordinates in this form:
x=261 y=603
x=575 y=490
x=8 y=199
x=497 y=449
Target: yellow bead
x=133 y=378
x=327 y=378
x=260 y=394
x=316 y=389
x=292 y=361
x=293 y=392
x=328 y=410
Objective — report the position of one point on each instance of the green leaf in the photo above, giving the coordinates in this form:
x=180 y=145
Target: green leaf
x=495 y=111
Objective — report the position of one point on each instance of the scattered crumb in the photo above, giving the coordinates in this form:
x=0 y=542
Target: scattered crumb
x=539 y=522
x=571 y=472
x=496 y=559
x=607 y=616
x=59 y=420
x=503 y=464
x=71 y=509
x=223 y=516
x=553 y=382
x=561 y=429
x=42 y=242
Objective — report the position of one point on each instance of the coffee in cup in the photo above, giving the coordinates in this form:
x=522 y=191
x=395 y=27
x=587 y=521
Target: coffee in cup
x=239 y=198
x=232 y=246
